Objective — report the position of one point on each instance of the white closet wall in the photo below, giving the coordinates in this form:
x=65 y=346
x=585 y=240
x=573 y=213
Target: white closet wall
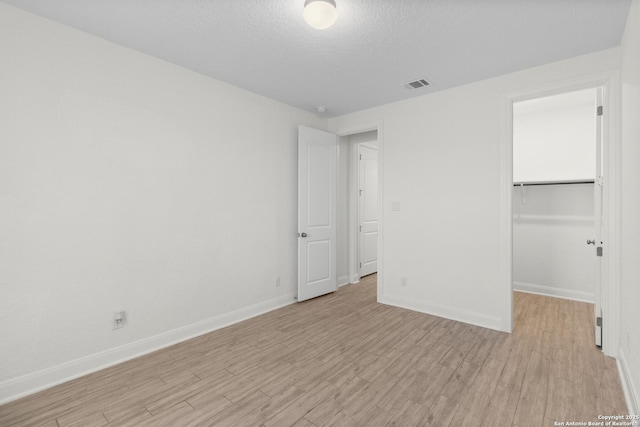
x=554 y=137
x=554 y=140
x=551 y=224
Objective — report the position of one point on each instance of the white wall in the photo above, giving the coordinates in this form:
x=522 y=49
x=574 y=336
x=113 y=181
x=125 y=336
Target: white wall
x=130 y=183
x=554 y=138
x=551 y=224
x=629 y=352
x=442 y=165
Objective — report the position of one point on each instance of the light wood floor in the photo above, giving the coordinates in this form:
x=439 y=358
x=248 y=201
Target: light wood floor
x=344 y=360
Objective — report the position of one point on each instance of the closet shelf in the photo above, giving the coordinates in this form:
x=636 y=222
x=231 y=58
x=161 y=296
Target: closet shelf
x=560 y=182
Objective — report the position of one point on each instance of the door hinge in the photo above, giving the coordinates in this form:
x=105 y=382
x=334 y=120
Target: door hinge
x=360 y=265
x=360 y=156
x=600 y=110
x=599 y=251
x=361 y=229
x=599 y=322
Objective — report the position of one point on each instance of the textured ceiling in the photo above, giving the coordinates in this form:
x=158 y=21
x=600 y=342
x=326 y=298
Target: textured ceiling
x=364 y=59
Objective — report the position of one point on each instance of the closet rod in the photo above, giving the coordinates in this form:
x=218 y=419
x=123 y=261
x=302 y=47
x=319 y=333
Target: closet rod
x=580 y=181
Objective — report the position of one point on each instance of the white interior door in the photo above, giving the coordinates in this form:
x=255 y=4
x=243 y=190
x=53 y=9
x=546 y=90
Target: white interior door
x=317 y=231
x=368 y=209
x=598 y=191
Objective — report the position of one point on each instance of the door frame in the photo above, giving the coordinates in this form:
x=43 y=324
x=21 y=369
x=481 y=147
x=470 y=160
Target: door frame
x=354 y=275
x=610 y=287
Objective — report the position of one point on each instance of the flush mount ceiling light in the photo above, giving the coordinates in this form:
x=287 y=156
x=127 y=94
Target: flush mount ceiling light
x=320 y=14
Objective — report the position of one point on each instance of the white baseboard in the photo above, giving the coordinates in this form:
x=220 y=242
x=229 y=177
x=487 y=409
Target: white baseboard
x=554 y=292
x=16 y=388
x=355 y=278
x=630 y=393
x=452 y=313
x=343 y=280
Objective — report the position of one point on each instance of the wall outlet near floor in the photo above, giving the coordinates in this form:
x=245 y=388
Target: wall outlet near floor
x=119 y=319
x=403 y=282
x=277 y=281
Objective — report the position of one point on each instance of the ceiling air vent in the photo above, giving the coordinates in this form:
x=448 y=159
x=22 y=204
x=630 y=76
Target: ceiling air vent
x=417 y=84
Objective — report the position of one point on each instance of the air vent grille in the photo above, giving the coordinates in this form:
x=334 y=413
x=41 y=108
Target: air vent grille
x=416 y=84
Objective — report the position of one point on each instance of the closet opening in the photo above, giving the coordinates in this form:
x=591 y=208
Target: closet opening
x=557 y=206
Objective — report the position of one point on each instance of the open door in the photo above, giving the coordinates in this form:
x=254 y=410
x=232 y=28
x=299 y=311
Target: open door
x=597 y=197
x=317 y=231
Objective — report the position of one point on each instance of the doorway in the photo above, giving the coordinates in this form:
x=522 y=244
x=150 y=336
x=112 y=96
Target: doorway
x=557 y=196
x=358 y=206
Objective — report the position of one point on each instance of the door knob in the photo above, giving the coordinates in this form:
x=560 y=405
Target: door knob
x=591 y=242
x=303 y=234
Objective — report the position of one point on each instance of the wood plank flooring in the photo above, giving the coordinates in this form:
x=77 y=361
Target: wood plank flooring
x=344 y=360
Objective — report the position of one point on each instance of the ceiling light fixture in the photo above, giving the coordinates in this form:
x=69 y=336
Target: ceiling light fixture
x=320 y=14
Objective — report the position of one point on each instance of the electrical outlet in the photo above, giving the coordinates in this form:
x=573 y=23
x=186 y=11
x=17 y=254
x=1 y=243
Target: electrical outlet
x=277 y=281
x=403 y=282
x=119 y=319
